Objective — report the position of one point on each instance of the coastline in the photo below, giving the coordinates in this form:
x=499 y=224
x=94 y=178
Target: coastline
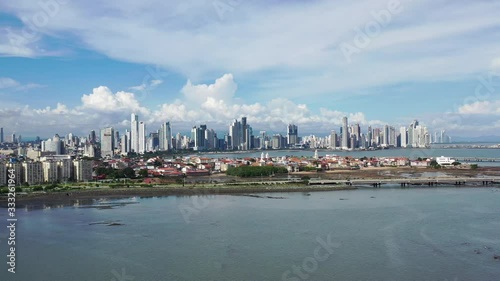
x=241 y=187
x=71 y=197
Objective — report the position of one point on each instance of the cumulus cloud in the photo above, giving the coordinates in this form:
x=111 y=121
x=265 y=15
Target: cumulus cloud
x=103 y=99
x=217 y=107
x=481 y=107
x=224 y=89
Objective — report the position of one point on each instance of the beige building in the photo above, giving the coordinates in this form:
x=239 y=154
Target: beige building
x=18 y=172
x=65 y=170
x=50 y=172
x=3 y=174
x=83 y=170
x=33 y=172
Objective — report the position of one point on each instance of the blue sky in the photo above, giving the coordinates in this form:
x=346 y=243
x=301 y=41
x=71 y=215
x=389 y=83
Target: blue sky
x=72 y=66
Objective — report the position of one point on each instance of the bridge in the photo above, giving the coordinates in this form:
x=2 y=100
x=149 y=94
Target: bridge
x=476 y=159
x=410 y=181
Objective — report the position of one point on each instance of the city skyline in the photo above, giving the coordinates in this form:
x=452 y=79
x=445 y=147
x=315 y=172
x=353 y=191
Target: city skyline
x=238 y=137
x=64 y=71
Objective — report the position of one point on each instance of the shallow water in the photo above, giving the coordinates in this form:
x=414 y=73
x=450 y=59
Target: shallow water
x=381 y=234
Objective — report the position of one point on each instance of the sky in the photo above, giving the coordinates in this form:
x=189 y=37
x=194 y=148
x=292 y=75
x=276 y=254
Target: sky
x=75 y=66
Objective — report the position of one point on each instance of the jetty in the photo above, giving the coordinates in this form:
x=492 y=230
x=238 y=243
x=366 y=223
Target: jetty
x=410 y=181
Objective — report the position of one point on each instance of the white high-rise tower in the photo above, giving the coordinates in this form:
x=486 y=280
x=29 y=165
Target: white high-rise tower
x=134 y=133
x=142 y=138
x=345 y=134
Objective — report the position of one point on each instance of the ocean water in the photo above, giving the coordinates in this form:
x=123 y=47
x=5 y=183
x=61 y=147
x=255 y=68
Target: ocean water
x=367 y=234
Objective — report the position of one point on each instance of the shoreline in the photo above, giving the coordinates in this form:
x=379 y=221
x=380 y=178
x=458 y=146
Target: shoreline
x=70 y=197
x=89 y=196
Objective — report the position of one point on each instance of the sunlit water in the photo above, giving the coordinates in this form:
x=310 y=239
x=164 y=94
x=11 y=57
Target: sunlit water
x=383 y=234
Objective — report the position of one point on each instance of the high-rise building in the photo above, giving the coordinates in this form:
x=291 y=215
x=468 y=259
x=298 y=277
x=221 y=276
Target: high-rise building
x=141 y=138
x=18 y=171
x=165 y=136
x=244 y=133
x=1 y=135
x=235 y=134
x=55 y=145
x=50 y=171
x=345 y=133
x=198 y=137
x=33 y=172
x=385 y=141
x=412 y=140
x=65 y=169
x=107 y=142
x=134 y=133
x=292 y=135
x=92 y=137
x=117 y=140
x=404 y=136
x=124 y=143
x=333 y=140
x=83 y=170
x=3 y=174
x=211 y=141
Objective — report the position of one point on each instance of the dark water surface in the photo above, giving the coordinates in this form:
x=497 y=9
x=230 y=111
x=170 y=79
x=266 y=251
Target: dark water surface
x=385 y=234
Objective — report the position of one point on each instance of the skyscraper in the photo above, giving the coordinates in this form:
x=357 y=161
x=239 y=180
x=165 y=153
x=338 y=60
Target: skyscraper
x=333 y=140
x=404 y=137
x=134 y=133
x=385 y=141
x=1 y=135
x=107 y=142
x=292 y=135
x=412 y=140
x=243 y=133
x=345 y=133
x=141 y=138
x=235 y=134
x=165 y=136
x=92 y=137
x=125 y=144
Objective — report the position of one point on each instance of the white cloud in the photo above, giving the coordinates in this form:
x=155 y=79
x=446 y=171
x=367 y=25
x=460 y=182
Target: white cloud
x=6 y=82
x=147 y=85
x=481 y=107
x=224 y=89
x=11 y=84
x=189 y=37
x=103 y=108
x=103 y=99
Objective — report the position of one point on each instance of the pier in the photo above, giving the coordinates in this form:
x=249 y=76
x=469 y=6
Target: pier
x=410 y=181
x=476 y=159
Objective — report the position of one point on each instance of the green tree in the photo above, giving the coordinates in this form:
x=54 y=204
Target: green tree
x=129 y=173
x=143 y=173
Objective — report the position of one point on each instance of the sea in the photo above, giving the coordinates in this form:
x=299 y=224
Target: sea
x=391 y=233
